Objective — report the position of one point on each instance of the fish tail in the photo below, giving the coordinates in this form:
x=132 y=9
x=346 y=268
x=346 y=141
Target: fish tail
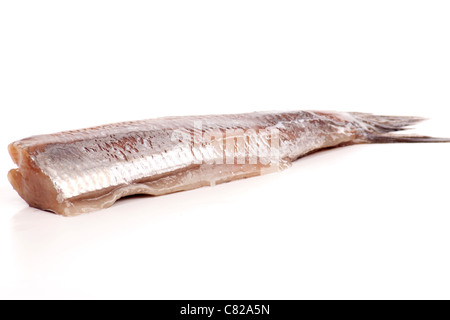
x=381 y=129
x=392 y=138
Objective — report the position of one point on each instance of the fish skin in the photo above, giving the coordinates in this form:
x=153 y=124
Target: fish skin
x=85 y=170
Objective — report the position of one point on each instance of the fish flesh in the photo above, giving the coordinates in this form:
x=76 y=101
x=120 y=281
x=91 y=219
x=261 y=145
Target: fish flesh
x=80 y=171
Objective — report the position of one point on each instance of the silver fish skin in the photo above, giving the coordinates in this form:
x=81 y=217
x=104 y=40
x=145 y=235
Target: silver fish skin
x=80 y=171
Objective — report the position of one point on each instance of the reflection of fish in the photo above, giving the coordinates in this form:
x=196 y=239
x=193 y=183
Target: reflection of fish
x=85 y=170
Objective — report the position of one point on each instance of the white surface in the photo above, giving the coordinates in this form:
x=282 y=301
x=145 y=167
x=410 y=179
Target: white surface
x=360 y=222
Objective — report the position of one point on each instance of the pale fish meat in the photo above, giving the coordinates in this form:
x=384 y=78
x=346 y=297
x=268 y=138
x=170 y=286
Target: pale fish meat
x=80 y=171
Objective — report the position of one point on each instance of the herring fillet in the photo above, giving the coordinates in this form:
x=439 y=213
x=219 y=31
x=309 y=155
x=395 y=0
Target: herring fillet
x=80 y=171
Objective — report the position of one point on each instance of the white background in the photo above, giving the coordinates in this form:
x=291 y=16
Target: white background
x=363 y=222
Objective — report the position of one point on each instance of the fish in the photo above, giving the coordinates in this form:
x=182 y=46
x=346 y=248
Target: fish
x=80 y=171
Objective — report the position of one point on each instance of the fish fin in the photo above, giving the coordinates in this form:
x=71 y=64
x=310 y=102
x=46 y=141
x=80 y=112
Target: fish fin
x=380 y=129
x=383 y=124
